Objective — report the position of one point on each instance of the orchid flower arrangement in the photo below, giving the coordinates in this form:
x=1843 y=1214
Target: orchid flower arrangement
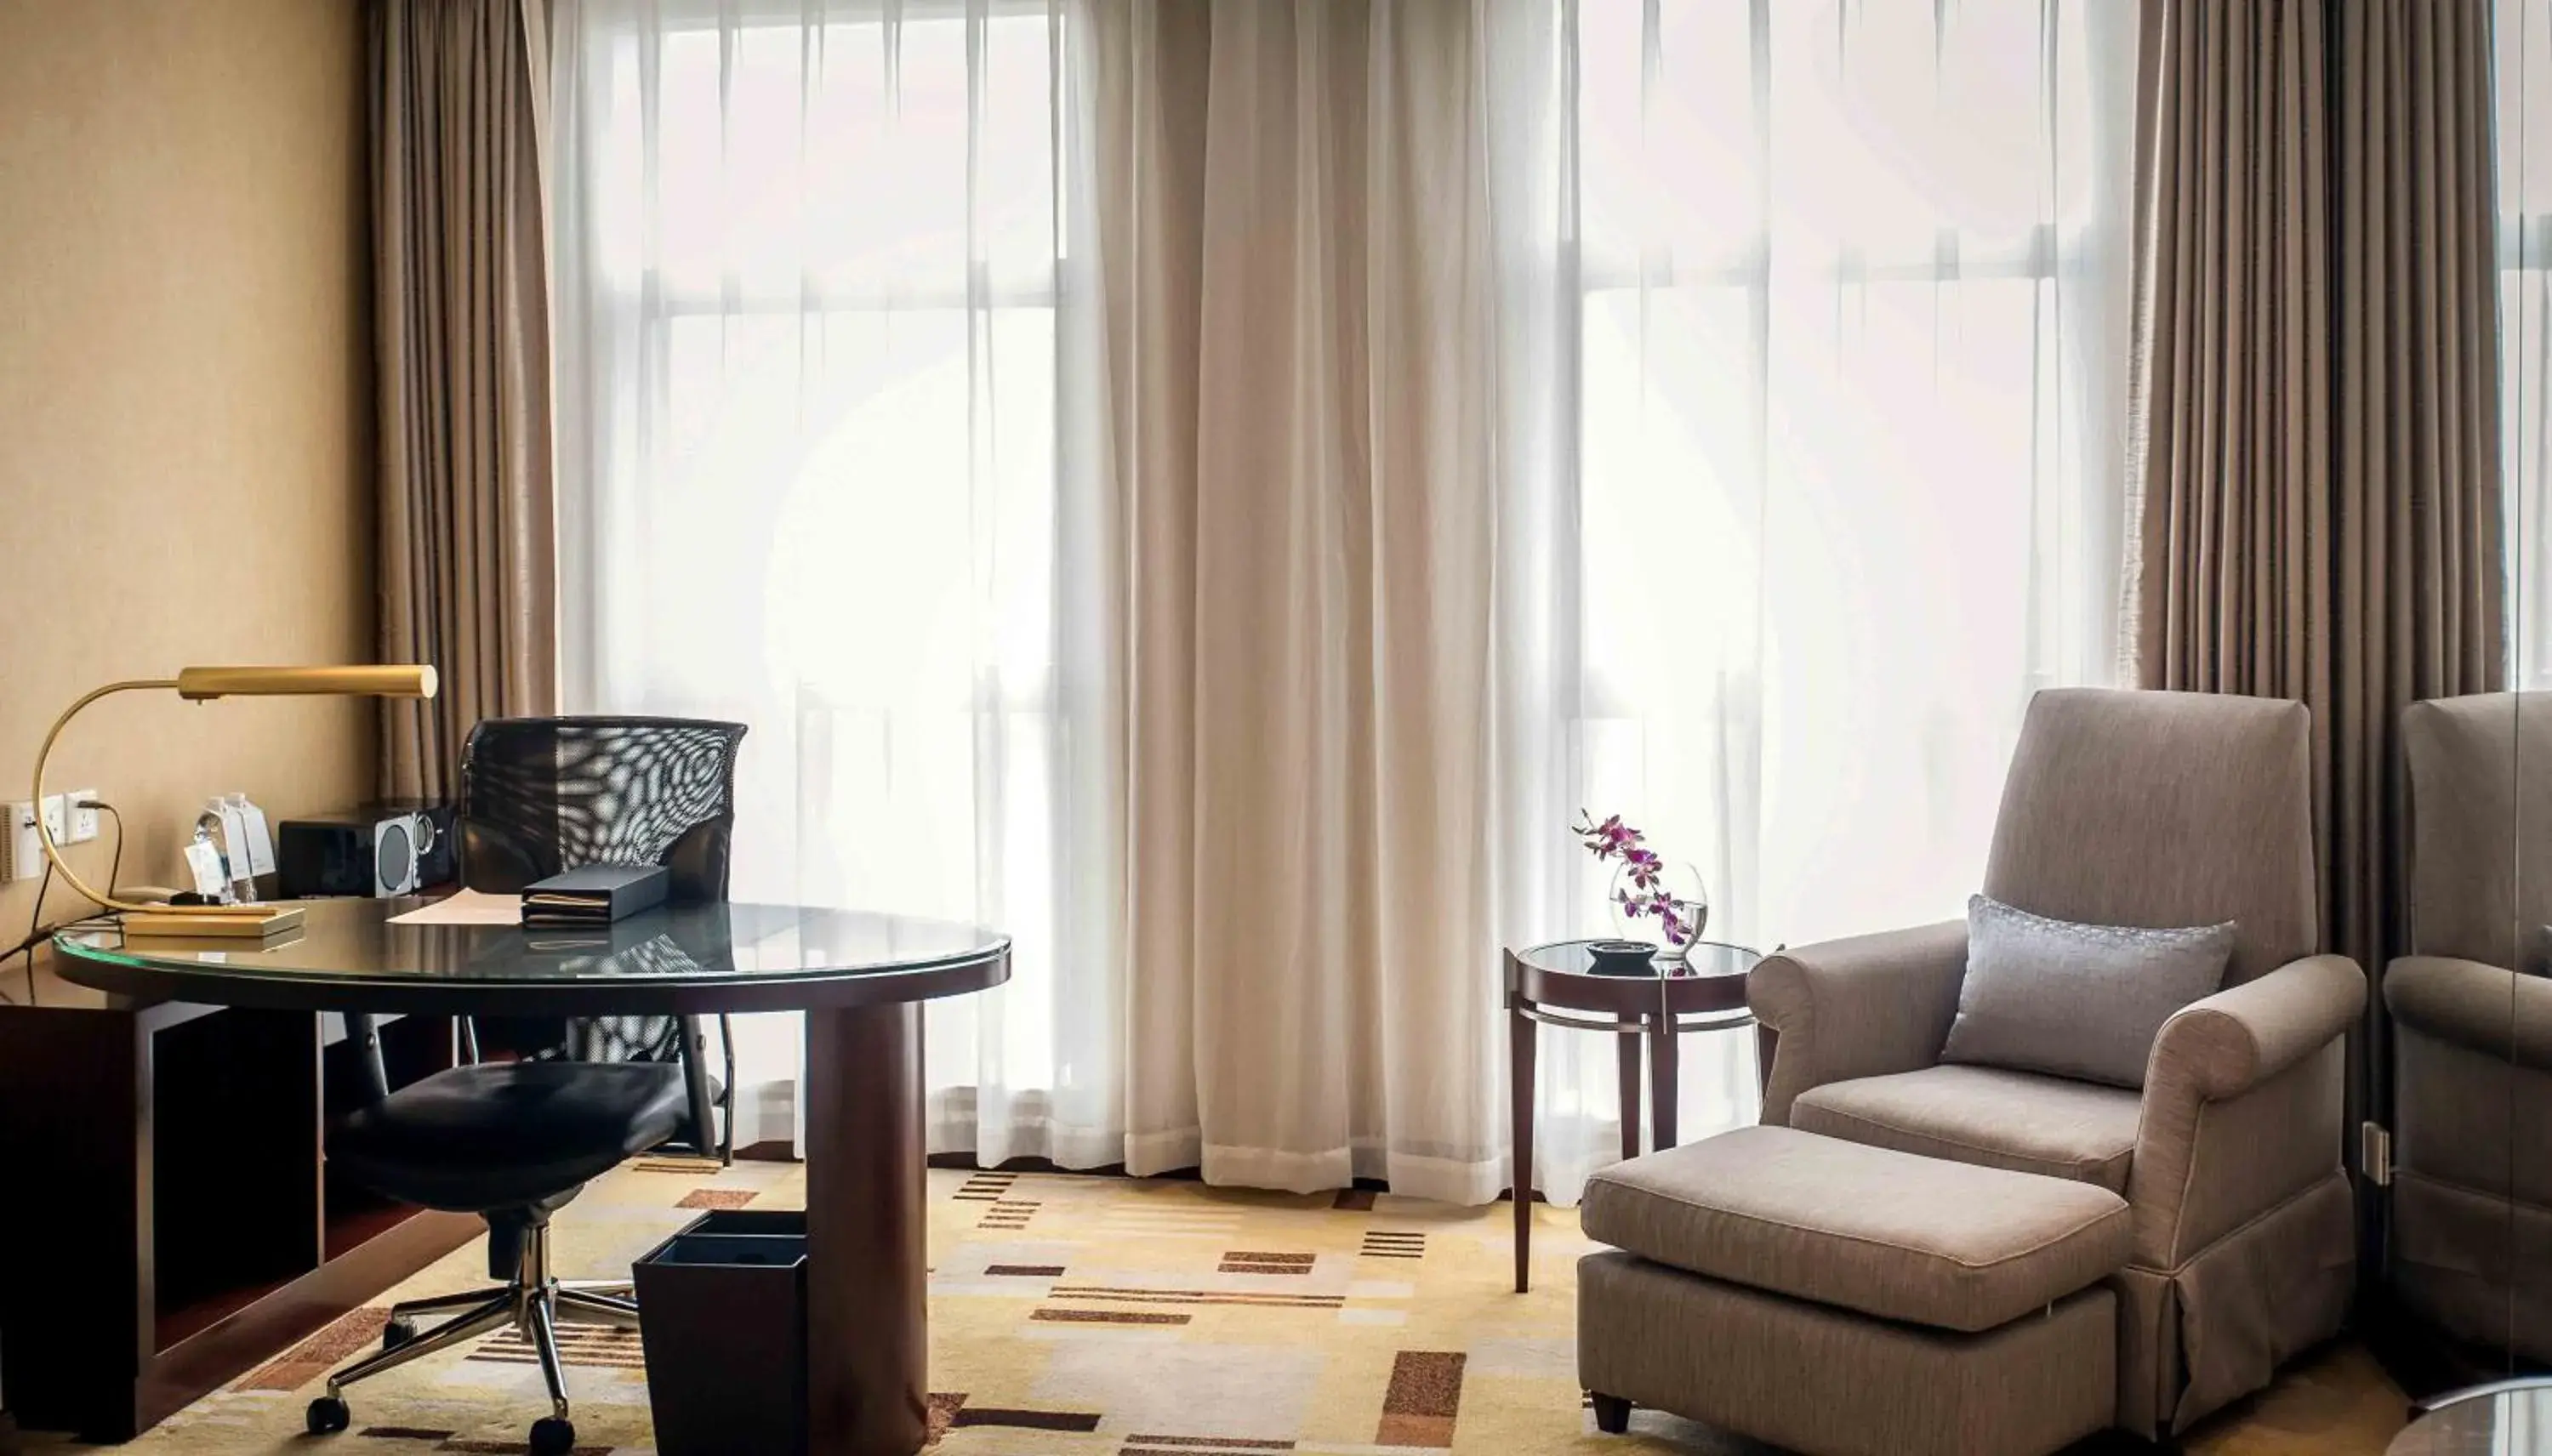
x=1640 y=886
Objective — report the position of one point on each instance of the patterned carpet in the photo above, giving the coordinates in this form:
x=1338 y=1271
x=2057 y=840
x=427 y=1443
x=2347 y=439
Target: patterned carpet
x=1091 y=1316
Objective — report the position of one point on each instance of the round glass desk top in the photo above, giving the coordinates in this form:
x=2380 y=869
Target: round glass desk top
x=689 y=958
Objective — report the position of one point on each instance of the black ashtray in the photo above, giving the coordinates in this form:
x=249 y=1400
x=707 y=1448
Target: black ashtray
x=1621 y=957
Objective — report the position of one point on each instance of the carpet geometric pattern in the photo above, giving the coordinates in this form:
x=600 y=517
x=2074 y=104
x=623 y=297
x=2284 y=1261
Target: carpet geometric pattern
x=1104 y=1316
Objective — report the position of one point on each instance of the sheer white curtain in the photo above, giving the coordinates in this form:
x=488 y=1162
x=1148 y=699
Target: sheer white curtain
x=1815 y=348
x=817 y=315
x=2521 y=73
x=1805 y=325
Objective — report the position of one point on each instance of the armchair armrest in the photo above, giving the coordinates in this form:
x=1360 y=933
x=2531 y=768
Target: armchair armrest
x=2241 y=1106
x=2241 y=1037
x=2476 y=1005
x=1865 y=1006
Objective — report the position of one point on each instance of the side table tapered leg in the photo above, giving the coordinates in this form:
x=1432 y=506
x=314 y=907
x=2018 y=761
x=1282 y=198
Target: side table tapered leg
x=1520 y=1044
x=1662 y=1092
x=1626 y=1058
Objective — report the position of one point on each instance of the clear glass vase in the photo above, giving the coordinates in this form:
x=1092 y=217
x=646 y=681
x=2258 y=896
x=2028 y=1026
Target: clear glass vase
x=1640 y=909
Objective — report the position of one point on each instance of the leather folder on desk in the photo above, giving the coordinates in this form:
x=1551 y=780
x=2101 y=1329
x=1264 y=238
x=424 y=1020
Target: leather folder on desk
x=596 y=894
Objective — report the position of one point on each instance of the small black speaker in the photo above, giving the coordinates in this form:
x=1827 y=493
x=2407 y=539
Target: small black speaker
x=379 y=850
x=439 y=863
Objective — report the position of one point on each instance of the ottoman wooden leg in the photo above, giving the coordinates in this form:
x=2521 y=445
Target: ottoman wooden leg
x=1612 y=1414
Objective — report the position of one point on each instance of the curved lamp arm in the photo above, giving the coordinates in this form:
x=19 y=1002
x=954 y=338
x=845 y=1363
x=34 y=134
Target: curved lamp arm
x=44 y=831
x=199 y=684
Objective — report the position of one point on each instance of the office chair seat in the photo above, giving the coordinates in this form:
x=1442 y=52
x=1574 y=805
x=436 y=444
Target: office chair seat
x=513 y=1141
x=509 y=1134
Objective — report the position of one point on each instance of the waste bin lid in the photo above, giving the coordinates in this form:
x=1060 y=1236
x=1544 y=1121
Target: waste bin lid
x=737 y=1250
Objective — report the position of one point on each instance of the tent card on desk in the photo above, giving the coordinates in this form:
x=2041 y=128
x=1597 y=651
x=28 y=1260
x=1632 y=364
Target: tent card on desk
x=260 y=837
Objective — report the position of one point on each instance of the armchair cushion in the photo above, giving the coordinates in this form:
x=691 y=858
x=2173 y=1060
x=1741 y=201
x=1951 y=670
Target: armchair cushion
x=1995 y=1118
x=2076 y=1000
x=1915 y=1239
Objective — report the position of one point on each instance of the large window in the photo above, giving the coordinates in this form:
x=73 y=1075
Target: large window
x=1852 y=381
x=809 y=260
x=1839 y=385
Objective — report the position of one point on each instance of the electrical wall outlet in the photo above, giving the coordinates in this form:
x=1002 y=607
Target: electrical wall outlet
x=83 y=823
x=26 y=852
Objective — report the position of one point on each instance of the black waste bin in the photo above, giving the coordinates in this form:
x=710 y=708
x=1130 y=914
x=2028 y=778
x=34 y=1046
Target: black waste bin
x=722 y=1314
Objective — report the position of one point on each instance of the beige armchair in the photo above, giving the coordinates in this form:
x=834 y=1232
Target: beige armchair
x=2470 y=1245
x=2130 y=808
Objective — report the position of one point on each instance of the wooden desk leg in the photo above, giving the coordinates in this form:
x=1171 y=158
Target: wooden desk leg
x=1625 y=1060
x=868 y=1342
x=1520 y=1033
x=1661 y=1081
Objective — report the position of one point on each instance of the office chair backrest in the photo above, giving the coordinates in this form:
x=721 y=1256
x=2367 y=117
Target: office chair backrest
x=544 y=795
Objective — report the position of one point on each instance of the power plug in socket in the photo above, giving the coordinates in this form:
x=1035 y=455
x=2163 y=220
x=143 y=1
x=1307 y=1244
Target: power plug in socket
x=83 y=823
x=25 y=850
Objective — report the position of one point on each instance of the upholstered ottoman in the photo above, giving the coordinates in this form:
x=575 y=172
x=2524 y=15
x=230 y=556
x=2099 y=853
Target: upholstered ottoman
x=1850 y=1301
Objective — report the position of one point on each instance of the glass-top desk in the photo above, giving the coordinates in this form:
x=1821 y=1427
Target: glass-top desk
x=858 y=976
x=697 y=960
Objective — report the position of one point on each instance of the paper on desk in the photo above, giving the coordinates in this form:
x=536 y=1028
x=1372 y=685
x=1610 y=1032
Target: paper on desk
x=466 y=907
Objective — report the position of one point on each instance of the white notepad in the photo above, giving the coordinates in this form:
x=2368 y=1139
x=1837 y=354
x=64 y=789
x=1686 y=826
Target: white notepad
x=466 y=907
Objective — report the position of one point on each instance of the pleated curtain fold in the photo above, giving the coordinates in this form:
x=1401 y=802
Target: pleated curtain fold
x=466 y=549
x=2418 y=512
x=1297 y=210
x=2315 y=480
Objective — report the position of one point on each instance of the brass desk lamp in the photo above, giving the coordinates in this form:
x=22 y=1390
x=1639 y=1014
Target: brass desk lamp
x=199 y=684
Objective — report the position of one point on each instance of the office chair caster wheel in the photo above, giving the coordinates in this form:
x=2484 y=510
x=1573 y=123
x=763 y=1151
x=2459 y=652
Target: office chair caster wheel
x=396 y=1333
x=326 y=1417
x=553 y=1438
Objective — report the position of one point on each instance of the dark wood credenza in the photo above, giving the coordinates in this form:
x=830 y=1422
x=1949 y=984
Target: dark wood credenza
x=166 y=1219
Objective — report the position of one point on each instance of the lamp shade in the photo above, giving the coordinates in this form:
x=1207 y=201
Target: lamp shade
x=397 y=680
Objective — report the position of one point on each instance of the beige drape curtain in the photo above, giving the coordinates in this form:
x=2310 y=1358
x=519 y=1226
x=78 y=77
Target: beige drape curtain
x=466 y=547
x=2337 y=548
x=2418 y=558
x=1294 y=218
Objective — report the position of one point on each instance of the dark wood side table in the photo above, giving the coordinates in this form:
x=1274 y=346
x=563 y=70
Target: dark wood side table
x=1554 y=984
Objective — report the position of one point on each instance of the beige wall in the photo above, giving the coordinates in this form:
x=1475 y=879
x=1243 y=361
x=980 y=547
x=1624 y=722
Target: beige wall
x=186 y=409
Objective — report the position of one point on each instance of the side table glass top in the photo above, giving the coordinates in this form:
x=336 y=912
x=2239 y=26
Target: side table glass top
x=1706 y=958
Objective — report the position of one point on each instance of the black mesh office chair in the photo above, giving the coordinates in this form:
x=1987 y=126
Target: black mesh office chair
x=543 y=795
x=515 y=1141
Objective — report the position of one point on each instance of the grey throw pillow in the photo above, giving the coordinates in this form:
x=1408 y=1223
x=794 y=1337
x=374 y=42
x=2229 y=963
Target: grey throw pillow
x=2076 y=1001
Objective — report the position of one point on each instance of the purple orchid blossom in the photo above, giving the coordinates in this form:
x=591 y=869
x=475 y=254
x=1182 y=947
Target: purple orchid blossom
x=1643 y=899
